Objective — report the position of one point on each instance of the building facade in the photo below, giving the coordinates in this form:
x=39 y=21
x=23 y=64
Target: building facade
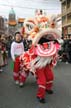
x=1 y=25
x=59 y=22
x=66 y=17
x=12 y=24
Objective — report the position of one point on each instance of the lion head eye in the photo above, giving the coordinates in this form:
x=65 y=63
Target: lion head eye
x=29 y=27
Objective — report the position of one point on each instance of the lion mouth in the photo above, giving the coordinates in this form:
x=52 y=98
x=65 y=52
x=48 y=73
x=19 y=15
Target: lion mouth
x=46 y=38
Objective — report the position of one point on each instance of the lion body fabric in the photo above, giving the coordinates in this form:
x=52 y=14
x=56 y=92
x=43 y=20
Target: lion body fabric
x=41 y=30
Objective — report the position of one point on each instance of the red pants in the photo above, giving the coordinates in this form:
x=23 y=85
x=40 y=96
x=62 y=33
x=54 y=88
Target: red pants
x=18 y=74
x=44 y=80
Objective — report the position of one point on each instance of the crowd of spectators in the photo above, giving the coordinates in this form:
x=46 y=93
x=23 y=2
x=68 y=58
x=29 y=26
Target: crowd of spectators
x=66 y=50
x=5 y=45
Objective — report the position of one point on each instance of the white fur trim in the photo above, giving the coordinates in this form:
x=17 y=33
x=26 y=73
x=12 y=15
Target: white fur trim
x=40 y=62
x=56 y=34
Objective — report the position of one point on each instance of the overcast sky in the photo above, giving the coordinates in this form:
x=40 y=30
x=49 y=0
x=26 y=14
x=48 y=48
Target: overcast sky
x=26 y=8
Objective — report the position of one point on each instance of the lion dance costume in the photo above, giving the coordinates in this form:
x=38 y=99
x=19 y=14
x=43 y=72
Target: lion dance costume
x=42 y=56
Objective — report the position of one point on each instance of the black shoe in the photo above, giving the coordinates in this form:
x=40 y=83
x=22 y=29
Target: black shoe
x=41 y=100
x=49 y=91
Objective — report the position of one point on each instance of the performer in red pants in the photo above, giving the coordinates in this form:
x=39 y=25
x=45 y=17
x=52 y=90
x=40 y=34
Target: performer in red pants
x=22 y=66
x=20 y=74
x=45 y=79
x=44 y=72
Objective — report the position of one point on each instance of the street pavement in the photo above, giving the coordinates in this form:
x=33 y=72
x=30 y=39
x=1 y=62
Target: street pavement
x=12 y=96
